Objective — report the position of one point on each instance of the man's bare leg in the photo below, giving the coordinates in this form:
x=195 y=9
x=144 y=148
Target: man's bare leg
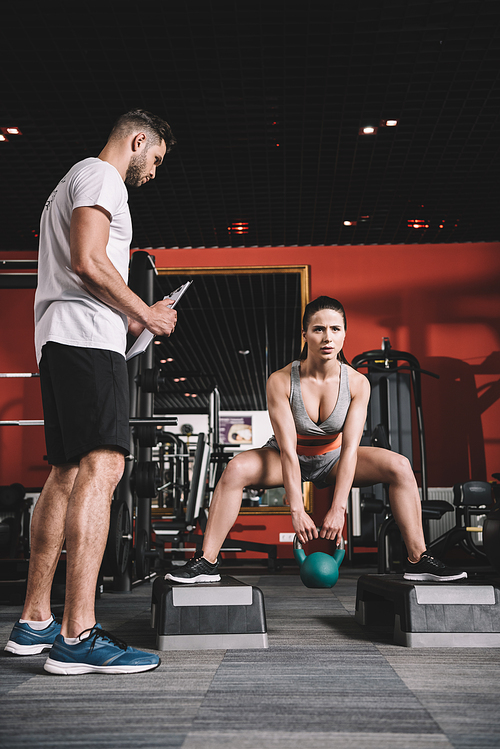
x=47 y=538
x=87 y=525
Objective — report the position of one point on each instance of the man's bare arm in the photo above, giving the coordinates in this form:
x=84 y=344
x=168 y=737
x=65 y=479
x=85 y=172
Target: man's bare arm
x=89 y=235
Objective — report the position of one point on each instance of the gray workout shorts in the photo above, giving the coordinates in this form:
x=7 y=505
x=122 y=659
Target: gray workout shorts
x=315 y=468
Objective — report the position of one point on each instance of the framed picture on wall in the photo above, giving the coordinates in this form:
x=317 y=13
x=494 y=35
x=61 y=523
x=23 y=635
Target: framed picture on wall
x=236 y=431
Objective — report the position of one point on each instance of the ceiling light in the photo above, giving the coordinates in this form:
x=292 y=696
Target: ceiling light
x=157 y=343
x=3 y=139
x=169 y=359
x=368 y=130
x=244 y=352
x=350 y=223
x=238 y=227
x=11 y=131
x=388 y=123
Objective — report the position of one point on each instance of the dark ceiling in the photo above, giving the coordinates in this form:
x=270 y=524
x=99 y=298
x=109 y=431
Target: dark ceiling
x=266 y=100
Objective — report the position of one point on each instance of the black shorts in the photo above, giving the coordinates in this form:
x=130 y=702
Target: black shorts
x=85 y=400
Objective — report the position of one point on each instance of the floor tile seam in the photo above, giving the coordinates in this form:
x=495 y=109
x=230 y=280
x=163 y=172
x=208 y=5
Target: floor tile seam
x=207 y=691
x=426 y=709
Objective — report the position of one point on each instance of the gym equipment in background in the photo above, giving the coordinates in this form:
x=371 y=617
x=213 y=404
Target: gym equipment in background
x=318 y=570
x=14 y=522
x=472 y=501
x=491 y=536
x=395 y=376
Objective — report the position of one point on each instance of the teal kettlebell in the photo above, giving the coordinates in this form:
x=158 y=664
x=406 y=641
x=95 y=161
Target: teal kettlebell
x=318 y=570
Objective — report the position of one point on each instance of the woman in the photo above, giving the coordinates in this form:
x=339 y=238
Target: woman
x=317 y=407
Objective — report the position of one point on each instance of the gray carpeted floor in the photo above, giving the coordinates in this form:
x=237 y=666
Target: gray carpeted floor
x=323 y=682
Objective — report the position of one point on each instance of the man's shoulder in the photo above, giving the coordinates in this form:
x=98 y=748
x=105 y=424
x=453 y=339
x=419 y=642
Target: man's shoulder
x=94 y=165
x=97 y=180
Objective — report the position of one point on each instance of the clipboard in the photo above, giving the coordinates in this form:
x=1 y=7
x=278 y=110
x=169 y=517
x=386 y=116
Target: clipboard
x=144 y=339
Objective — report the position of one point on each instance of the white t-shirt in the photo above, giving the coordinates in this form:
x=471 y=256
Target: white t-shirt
x=65 y=311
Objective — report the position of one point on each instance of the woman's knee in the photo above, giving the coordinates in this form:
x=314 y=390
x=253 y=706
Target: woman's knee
x=246 y=469
x=400 y=468
x=236 y=471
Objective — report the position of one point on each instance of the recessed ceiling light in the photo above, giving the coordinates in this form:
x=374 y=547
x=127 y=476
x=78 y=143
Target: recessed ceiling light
x=368 y=130
x=350 y=223
x=244 y=352
x=238 y=227
x=3 y=139
x=388 y=123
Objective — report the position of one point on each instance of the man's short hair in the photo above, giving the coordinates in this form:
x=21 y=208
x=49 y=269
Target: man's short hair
x=138 y=119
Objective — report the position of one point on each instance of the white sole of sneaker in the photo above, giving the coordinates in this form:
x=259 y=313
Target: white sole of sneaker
x=198 y=579
x=73 y=669
x=427 y=577
x=14 y=647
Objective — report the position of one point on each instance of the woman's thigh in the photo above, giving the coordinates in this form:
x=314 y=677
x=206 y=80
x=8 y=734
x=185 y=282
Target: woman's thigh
x=376 y=465
x=260 y=468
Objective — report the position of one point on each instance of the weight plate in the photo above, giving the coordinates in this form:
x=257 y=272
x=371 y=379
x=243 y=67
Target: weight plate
x=142 y=561
x=119 y=537
x=146 y=479
x=147 y=435
x=149 y=381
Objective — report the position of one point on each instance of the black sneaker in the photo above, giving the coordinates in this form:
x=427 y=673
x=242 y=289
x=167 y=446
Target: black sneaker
x=196 y=570
x=430 y=569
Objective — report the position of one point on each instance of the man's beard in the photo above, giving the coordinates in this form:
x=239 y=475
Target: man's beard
x=136 y=170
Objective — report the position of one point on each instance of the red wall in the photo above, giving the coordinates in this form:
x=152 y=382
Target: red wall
x=440 y=302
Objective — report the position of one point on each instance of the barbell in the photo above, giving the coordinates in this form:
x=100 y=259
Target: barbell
x=159 y=420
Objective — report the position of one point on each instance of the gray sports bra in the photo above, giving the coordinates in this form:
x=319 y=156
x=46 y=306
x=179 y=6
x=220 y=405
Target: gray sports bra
x=335 y=422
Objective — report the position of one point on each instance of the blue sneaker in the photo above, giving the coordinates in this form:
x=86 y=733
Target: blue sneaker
x=27 y=641
x=100 y=653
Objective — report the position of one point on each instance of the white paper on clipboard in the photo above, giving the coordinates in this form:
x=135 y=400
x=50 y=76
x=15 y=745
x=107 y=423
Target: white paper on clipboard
x=145 y=338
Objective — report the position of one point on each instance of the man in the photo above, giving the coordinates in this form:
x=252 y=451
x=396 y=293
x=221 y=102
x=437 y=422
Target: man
x=83 y=309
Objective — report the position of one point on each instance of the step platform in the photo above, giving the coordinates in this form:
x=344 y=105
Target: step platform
x=464 y=614
x=208 y=616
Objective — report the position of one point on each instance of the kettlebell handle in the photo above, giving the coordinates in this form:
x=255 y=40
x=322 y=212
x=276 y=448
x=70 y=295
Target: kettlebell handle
x=298 y=545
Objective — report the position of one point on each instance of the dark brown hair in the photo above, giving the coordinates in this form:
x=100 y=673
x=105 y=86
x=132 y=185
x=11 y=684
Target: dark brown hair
x=138 y=119
x=322 y=302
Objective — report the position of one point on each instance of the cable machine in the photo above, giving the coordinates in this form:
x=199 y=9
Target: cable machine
x=395 y=379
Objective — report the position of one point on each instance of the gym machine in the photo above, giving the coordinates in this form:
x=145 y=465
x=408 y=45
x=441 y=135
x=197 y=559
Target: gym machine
x=395 y=377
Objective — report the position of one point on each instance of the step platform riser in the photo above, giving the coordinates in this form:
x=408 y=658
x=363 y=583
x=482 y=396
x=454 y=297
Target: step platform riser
x=224 y=615
x=463 y=614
